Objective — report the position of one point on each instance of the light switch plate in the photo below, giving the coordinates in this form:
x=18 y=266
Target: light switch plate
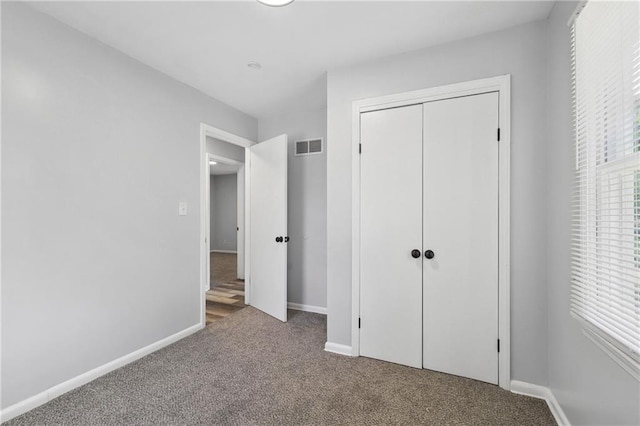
x=182 y=208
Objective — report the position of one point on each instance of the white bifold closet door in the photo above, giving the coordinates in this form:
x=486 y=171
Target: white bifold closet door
x=390 y=227
x=461 y=228
x=429 y=189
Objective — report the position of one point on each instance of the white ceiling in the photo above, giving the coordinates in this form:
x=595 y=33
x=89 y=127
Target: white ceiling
x=208 y=44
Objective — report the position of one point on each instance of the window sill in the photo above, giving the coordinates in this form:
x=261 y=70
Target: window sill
x=629 y=364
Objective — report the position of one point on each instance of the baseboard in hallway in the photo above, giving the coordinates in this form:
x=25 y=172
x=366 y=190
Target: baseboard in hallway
x=307 y=308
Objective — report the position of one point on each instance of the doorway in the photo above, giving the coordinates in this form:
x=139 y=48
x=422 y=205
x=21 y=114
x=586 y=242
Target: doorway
x=230 y=150
x=262 y=229
x=226 y=293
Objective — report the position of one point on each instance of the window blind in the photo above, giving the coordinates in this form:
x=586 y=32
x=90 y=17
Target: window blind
x=605 y=294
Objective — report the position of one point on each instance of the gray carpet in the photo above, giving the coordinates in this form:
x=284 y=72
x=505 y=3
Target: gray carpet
x=250 y=369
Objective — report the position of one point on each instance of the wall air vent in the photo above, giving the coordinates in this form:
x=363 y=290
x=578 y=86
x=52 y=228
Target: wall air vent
x=309 y=147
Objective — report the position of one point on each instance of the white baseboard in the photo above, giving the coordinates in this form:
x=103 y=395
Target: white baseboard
x=224 y=251
x=537 y=391
x=307 y=308
x=337 y=348
x=64 y=387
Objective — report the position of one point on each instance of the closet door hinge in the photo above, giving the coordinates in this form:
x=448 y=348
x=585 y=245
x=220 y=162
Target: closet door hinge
x=358 y=322
x=360 y=149
x=498 y=345
x=498 y=134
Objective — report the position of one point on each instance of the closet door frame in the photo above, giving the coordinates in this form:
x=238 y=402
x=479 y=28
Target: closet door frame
x=502 y=85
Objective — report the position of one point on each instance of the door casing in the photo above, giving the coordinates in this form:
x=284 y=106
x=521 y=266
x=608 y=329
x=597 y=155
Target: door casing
x=502 y=85
x=214 y=132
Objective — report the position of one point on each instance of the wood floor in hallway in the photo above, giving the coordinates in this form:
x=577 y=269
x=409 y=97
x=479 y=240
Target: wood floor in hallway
x=227 y=292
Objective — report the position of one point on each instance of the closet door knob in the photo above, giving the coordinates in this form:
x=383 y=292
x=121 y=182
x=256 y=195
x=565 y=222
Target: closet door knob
x=278 y=239
x=415 y=253
x=429 y=254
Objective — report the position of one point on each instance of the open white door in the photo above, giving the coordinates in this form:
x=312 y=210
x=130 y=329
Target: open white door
x=268 y=221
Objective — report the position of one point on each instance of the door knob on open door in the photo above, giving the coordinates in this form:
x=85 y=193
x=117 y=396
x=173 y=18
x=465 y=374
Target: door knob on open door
x=286 y=239
x=429 y=254
x=415 y=253
x=279 y=239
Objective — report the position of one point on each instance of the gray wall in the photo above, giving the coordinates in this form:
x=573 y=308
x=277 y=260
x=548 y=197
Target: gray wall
x=520 y=51
x=590 y=387
x=224 y=211
x=109 y=147
x=307 y=213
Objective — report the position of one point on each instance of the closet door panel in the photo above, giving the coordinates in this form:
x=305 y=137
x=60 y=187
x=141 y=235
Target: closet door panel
x=461 y=228
x=390 y=228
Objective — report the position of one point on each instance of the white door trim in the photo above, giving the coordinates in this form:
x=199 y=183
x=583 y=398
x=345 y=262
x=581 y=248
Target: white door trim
x=207 y=221
x=502 y=85
x=214 y=132
x=240 y=215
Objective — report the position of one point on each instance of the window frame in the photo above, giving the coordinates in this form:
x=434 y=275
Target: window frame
x=615 y=163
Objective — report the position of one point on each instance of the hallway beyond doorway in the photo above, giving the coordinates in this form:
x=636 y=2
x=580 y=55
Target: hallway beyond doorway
x=227 y=292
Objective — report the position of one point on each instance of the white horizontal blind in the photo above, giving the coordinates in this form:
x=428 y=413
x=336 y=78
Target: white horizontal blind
x=606 y=246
